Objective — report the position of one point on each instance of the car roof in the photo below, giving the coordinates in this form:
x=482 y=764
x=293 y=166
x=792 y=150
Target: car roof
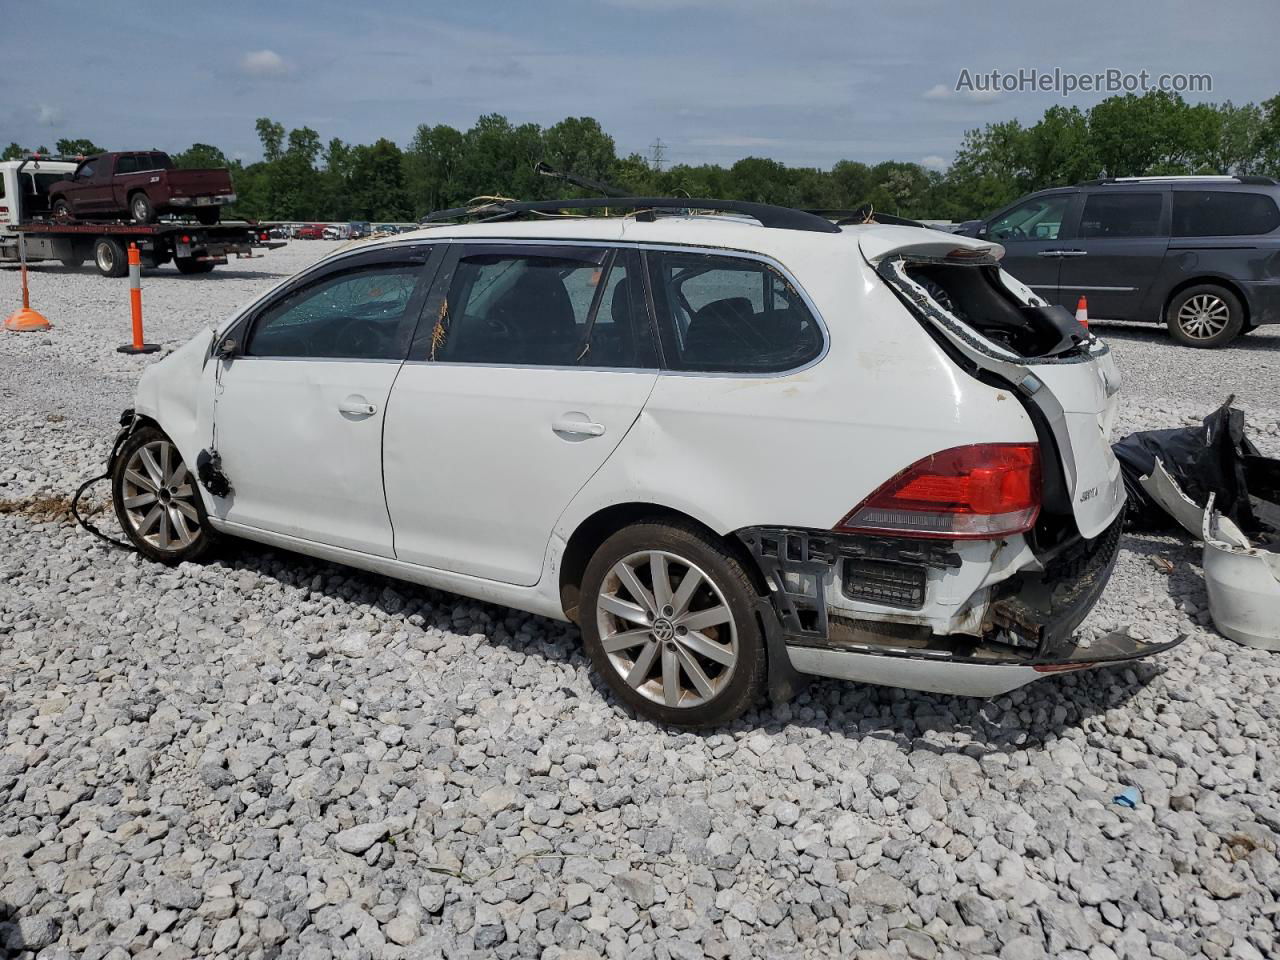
x=724 y=232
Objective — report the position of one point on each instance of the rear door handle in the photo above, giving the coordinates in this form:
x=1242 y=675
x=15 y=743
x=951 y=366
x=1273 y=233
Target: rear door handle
x=1074 y=253
x=357 y=406
x=578 y=428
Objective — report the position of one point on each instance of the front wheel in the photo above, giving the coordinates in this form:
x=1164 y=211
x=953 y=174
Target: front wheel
x=140 y=208
x=668 y=619
x=1205 y=316
x=156 y=499
x=61 y=209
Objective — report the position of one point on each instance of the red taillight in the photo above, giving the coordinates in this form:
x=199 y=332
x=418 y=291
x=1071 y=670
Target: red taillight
x=185 y=238
x=977 y=492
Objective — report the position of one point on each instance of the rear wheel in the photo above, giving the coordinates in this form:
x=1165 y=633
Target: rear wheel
x=109 y=257
x=140 y=208
x=209 y=215
x=156 y=499
x=668 y=618
x=1205 y=316
x=192 y=265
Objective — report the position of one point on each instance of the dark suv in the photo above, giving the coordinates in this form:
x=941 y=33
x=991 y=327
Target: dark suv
x=1201 y=254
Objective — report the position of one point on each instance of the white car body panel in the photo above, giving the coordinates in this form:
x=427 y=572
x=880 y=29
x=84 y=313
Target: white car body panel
x=488 y=507
x=302 y=465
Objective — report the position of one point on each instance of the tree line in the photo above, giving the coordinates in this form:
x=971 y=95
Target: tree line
x=300 y=177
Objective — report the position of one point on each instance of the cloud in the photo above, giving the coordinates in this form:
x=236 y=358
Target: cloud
x=264 y=64
x=934 y=162
x=47 y=115
x=939 y=91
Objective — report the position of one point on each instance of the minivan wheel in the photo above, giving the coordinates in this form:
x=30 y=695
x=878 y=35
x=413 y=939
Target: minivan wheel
x=1205 y=316
x=668 y=619
x=156 y=499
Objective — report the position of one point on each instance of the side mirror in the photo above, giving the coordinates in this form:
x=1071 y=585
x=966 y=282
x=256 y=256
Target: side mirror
x=982 y=230
x=227 y=349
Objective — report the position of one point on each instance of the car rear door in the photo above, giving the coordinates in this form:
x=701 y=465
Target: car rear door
x=1117 y=252
x=299 y=411
x=530 y=365
x=1035 y=236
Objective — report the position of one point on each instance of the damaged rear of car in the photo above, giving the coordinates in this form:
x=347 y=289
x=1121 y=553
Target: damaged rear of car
x=970 y=570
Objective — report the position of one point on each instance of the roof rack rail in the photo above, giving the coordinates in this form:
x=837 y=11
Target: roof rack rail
x=1254 y=179
x=57 y=157
x=768 y=215
x=865 y=214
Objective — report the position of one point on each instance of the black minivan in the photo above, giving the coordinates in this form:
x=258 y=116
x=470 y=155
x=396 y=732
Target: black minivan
x=1201 y=254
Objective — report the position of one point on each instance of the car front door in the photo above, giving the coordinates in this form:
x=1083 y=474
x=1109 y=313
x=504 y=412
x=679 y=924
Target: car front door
x=299 y=409
x=1120 y=246
x=1034 y=235
x=531 y=363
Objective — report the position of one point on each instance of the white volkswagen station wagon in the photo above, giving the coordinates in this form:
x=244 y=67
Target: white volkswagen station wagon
x=735 y=444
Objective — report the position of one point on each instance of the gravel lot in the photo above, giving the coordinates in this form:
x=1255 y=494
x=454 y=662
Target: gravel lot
x=268 y=756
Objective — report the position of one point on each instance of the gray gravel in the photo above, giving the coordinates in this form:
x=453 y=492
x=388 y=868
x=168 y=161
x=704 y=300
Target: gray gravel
x=268 y=756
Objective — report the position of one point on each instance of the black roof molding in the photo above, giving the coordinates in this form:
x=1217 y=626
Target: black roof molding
x=768 y=215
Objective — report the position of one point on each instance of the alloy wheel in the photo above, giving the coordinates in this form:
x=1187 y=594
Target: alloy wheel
x=667 y=629
x=105 y=258
x=159 y=497
x=1204 y=316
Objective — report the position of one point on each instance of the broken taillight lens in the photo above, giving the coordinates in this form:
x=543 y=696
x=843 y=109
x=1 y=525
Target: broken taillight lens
x=976 y=492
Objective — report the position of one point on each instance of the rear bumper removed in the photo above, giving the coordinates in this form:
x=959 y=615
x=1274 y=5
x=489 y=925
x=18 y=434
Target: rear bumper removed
x=1023 y=628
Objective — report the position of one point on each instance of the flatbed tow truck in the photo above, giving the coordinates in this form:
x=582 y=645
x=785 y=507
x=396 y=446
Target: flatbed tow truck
x=190 y=246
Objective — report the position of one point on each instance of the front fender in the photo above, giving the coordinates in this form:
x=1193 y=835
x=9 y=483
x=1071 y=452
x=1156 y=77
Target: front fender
x=172 y=393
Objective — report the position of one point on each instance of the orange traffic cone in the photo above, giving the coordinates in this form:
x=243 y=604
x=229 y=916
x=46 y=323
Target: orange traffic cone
x=25 y=319
x=1082 y=312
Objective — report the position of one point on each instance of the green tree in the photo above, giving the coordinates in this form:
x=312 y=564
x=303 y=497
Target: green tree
x=271 y=134
x=13 y=152
x=75 y=148
x=200 y=155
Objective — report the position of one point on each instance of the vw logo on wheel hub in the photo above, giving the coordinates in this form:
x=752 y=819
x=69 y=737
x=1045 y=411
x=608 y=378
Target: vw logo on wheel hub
x=663 y=630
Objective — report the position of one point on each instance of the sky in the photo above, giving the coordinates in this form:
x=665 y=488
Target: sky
x=806 y=82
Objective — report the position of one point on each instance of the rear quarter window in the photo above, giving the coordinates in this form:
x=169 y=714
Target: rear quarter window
x=1223 y=213
x=726 y=314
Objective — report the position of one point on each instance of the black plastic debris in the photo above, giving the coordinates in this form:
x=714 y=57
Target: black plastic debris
x=1215 y=457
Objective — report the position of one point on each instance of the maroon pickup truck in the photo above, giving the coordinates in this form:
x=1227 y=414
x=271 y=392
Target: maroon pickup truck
x=142 y=186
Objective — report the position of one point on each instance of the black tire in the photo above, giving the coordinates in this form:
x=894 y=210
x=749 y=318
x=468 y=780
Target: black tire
x=174 y=517
x=209 y=215
x=110 y=258
x=140 y=207
x=192 y=265
x=61 y=209
x=734 y=687
x=1206 y=316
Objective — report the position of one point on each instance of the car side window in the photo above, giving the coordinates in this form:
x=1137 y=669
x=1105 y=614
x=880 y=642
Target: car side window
x=86 y=171
x=356 y=314
x=1039 y=219
x=541 y=306
x=1223 y=213
x=1121 y=215
x=127 y=165
x=730 y=314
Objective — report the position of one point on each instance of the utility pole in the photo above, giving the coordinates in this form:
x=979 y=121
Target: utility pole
x=657 y=151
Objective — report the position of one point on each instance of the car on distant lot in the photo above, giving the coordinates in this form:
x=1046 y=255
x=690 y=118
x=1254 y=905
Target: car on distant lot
x=1200 y=254
x=733 y=448
x=310 y=231
x=140 y=185
x=333 y=232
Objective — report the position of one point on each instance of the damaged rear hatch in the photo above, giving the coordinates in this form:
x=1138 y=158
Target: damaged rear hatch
x=999 y=331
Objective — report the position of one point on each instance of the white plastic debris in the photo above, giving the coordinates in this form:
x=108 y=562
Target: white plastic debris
x=1243 y=581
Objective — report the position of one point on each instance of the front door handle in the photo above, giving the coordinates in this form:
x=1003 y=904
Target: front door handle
x=1073 y=253
x=357 y=406
x=577 y=428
